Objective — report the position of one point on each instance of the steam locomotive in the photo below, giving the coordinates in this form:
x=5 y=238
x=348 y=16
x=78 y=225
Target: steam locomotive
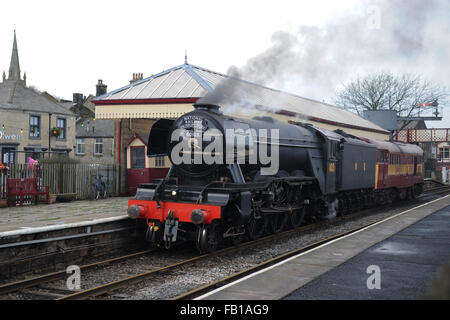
x=235 y=178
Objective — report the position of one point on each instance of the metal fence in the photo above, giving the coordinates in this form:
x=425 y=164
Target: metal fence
x=66 y=178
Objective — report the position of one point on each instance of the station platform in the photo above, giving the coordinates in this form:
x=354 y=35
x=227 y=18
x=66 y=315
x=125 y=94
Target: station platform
x=49 y=217
x=393 y=259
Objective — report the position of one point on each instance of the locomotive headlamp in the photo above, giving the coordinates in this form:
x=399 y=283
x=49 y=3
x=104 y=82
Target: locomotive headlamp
x=134 y=211
x=174 y=193
x=198 y=216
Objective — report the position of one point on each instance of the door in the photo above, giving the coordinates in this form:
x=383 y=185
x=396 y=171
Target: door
x=381 y=171
x=385 y=167
x=415 y=166
x=137 y=173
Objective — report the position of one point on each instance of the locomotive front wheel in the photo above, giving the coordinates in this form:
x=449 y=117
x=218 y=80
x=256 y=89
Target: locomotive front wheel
x=296 y=217
x=208 y=240
x=277 y=222
x=255 y=228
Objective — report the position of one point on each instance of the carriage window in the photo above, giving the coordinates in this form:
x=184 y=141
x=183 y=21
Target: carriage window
x=382 y=156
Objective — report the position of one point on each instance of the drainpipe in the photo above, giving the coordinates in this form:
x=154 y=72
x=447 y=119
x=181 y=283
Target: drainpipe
x=119 y=133
x=49 y=133
x=118 y=142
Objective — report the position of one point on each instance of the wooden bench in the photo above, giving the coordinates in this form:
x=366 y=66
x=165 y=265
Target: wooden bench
x=26 y=187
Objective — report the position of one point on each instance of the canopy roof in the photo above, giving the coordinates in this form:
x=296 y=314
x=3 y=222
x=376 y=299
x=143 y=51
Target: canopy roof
x=192 y=82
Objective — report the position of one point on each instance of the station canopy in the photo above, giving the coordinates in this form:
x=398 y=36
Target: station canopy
x=187 y=83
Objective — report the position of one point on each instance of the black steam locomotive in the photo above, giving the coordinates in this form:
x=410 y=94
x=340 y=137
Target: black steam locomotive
x=234 y=178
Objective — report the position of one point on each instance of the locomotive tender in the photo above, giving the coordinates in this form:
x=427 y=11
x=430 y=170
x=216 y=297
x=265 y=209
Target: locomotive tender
x=319 y=174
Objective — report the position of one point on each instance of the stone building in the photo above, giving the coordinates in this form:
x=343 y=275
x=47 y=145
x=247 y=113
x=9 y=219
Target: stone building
x=28 y=119
x=94 y=137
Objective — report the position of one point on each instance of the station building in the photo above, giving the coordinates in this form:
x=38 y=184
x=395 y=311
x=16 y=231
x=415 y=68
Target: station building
x=172 y=93
x=28 y=119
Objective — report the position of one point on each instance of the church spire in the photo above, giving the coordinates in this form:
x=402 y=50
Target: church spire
x=14 y=67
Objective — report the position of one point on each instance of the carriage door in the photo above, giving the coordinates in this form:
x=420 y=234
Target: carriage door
x=381 y=172
x=332 y=166
x=415 y=165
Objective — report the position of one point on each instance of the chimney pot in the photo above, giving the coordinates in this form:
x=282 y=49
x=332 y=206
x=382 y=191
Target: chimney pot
x=101 y=88
x=137 y=76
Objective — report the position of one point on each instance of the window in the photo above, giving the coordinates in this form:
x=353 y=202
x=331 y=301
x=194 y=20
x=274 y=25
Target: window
x=444 y=153
x=137 y=157
x=61 y=124
x=98 y=146
x=160 y=162
x=80 y=146
x=8 y=155
x=35 y=127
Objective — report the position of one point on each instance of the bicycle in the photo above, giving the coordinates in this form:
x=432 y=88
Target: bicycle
x=99 y=187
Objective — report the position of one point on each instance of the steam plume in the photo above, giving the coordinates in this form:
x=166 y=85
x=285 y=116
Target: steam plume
x=409 y=37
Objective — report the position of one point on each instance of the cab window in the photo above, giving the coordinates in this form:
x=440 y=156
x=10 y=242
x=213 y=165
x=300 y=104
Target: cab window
x=332 y=149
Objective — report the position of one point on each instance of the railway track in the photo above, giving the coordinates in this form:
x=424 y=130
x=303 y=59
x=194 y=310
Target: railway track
x=39 y=280
x=61 y=294
x=190 y=295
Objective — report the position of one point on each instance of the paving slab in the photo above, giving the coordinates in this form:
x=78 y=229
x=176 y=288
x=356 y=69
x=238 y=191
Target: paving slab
x=61 y=213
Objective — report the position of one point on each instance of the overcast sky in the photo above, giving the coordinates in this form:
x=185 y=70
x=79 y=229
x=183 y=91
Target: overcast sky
x=65 y=46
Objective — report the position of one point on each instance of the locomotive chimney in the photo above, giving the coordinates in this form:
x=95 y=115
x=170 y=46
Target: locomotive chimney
x=209 y=107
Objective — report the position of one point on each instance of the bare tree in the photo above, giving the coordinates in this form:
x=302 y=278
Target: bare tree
x=385 y=91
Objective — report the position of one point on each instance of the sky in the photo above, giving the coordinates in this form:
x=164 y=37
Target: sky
x=311 y=48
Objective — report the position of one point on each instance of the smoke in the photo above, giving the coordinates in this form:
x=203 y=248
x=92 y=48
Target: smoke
x=403 y=36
